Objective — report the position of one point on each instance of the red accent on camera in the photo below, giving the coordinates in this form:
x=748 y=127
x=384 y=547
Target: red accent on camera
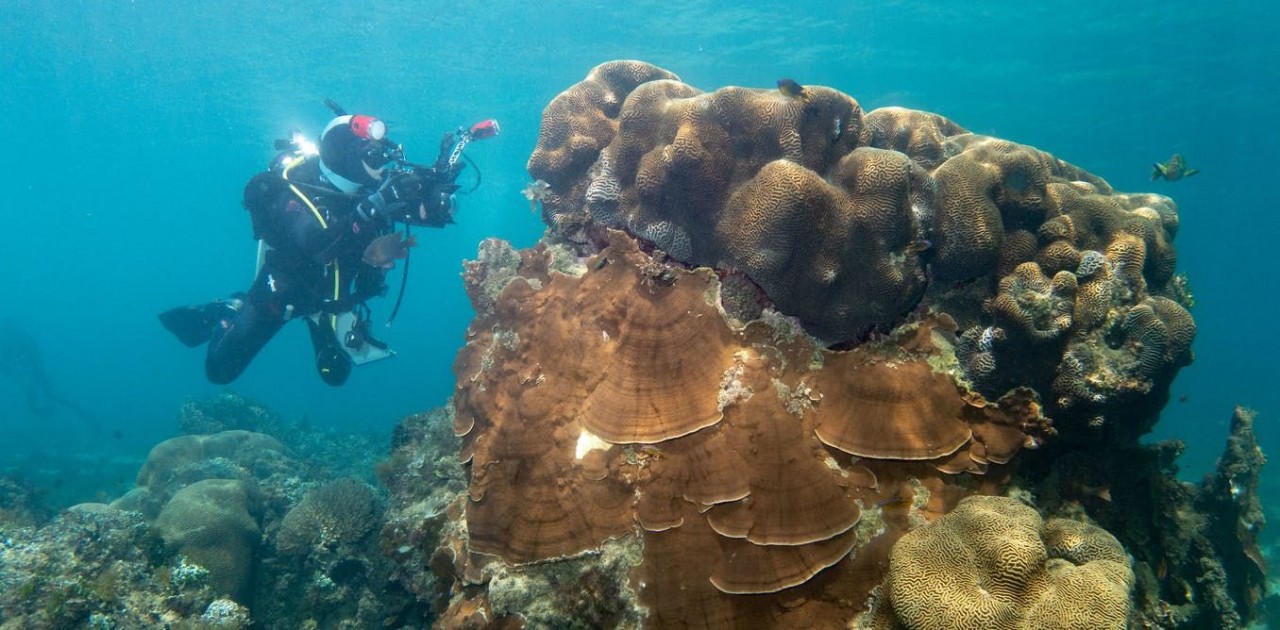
x=484 y=129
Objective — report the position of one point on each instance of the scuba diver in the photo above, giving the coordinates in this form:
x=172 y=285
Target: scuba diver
x=325 y=219
x=20 y=362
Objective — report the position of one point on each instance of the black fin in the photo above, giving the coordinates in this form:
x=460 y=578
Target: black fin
x=192 y=325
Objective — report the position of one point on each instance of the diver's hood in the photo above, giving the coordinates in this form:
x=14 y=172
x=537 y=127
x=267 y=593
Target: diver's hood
x=350 y=147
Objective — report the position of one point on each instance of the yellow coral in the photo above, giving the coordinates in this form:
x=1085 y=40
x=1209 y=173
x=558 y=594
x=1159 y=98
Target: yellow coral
x=993 y=564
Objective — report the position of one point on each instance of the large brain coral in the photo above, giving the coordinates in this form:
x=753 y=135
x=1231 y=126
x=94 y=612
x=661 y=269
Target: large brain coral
x=756 y=180
x=767 y=335
x=834 y=252
x=993 y=564
x=842 y=217
x=576 y=126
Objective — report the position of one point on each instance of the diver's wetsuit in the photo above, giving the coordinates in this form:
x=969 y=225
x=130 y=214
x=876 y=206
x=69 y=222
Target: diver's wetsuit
x=309 y=269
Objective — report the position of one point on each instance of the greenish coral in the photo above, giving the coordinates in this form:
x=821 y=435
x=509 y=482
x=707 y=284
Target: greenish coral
x=181 y=461
x=214 y=524
x=338 y=513
x=498 y=263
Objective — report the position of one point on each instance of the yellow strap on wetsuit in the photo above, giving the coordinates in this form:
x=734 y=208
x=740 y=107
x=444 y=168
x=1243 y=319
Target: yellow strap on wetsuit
x=337 y=293
x=337 y=276
x=305 y=199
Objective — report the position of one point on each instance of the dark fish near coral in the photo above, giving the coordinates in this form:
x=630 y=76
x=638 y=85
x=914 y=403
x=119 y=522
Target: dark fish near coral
x=919 y=245
x=385 y=250
x=792 y=89
x=535 y=192
x=1173 y=170
x=1098 y=492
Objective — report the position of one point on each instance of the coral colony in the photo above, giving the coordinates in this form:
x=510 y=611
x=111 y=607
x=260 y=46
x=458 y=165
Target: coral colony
x=779 y=362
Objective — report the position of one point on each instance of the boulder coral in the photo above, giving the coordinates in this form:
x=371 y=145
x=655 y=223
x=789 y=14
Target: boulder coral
x=850 y=221
x=214 y=523
x=181 y=461
x=992 y=563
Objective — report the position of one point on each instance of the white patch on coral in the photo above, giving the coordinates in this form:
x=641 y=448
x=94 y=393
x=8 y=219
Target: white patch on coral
x=587 y=442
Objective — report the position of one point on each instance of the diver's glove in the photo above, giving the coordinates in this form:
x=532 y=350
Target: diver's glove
x=397 y=198
x=438 y=205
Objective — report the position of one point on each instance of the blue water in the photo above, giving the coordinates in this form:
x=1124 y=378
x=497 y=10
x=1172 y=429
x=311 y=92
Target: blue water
x=131 y=127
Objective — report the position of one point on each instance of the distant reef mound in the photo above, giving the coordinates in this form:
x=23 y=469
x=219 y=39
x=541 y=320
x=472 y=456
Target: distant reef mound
x=774 y=358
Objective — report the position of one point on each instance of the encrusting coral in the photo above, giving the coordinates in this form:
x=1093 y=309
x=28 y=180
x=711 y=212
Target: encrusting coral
x=729 y=454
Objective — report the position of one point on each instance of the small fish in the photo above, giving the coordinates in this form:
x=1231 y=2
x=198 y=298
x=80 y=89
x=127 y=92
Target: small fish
x=652 y=452
x=919 y=245
x=792 y=89
x=1102 y=492
x=1184 y=398
x=901 y=498
x=1173 y=170
x=535 y=192
x=1099 y=492
x=385 y=250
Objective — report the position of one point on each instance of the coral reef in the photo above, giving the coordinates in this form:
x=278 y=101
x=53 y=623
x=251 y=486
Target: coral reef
x=769 y=344
x=427 y=486
x=575 y=434
x=227 y=412
x=19 y=503
x=99 y=567
x=776 y=363
x=223 y=530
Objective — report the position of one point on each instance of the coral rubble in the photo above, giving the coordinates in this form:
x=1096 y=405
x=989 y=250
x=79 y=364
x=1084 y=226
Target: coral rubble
x=767 y=347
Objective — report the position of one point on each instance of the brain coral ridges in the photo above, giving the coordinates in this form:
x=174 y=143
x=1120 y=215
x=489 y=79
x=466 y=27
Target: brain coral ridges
x=768 y=334
x=992 y=563
x=842 y=218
